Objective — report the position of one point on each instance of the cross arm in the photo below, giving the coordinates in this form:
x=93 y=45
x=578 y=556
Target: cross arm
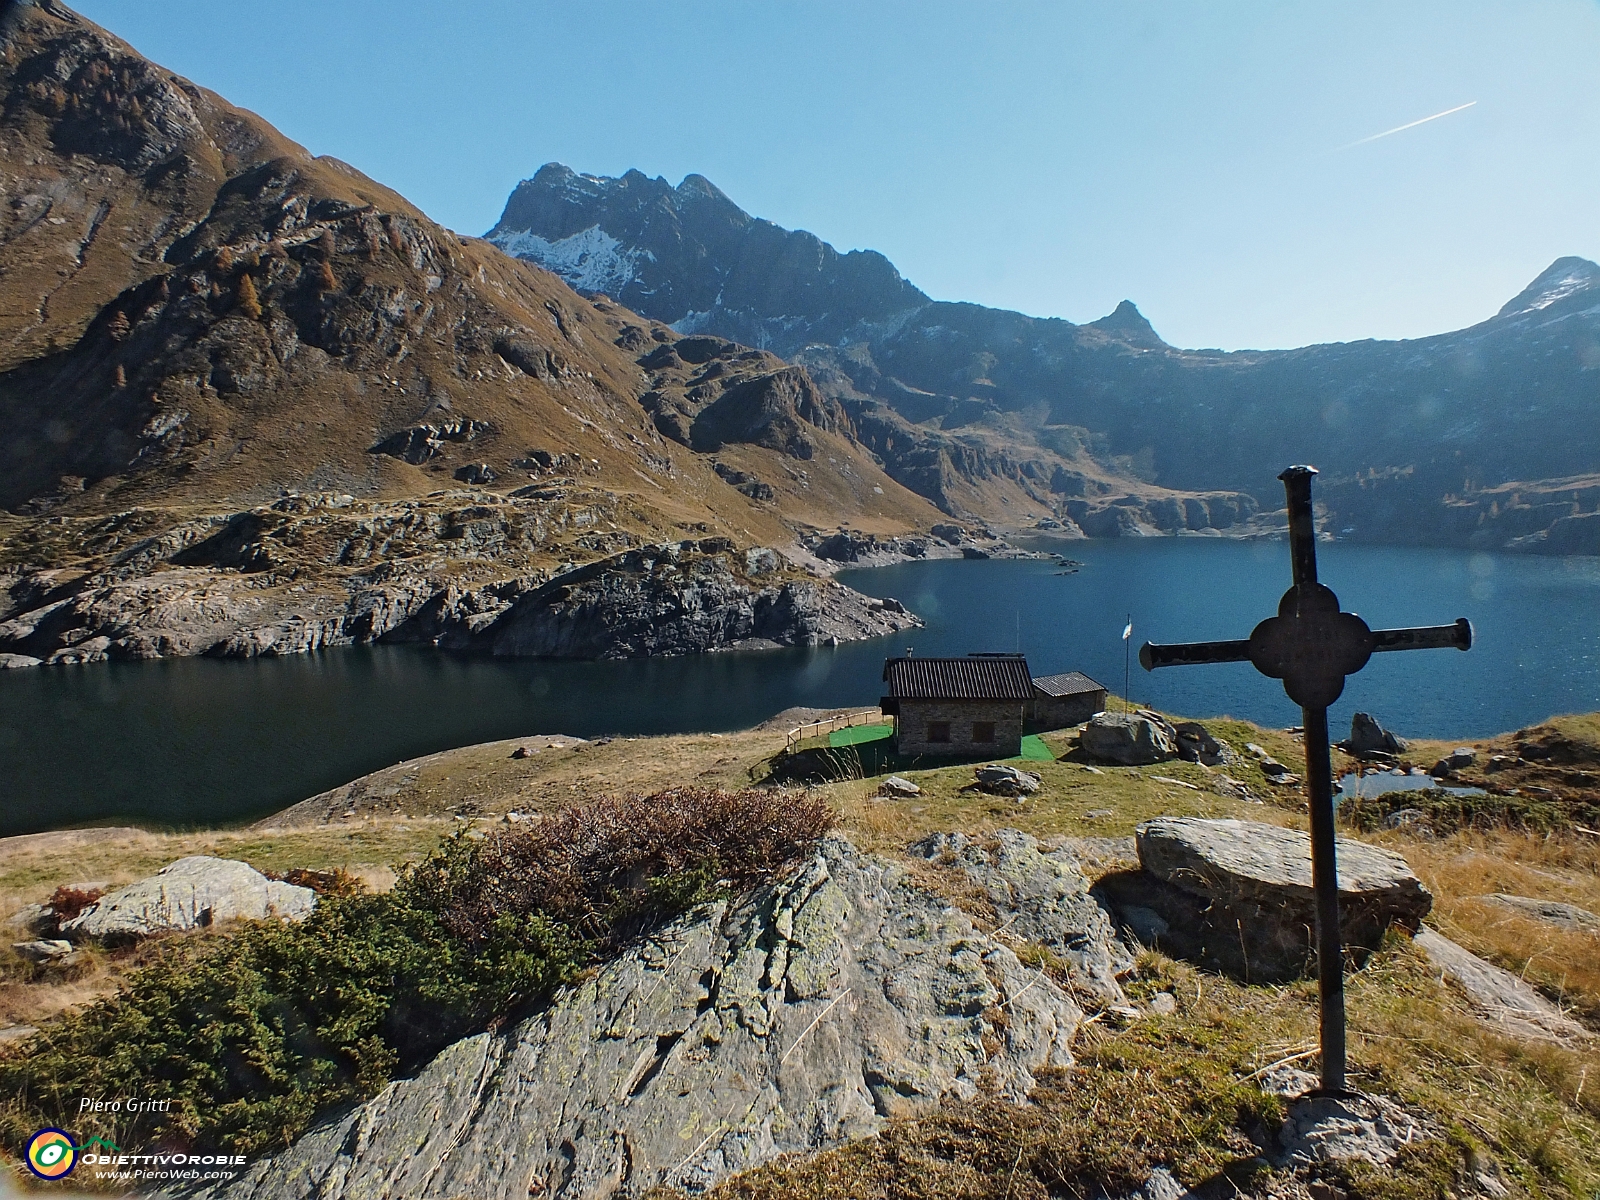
x=1180 y=654
x=1425 y=637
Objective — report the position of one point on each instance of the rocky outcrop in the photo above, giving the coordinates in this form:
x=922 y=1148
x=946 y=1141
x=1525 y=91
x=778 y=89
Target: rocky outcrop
x=1424 y=440
x=1042 y=896
x=419 y=443
x=1237 y=895
x=677 y=598
x=1369 y=737
x=1553 y=912
x=795 y=1019
x=1130 y=740
x=308 y=572
x=192 y=893
x=708 y=392
x=1499 y=997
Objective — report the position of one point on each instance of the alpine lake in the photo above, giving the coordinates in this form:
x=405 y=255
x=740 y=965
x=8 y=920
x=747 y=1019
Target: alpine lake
x=190 y=742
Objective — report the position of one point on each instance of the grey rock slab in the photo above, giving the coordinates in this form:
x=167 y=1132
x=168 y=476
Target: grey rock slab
x=1228 y=859
x=1162 y=1185
x=191 y=893
x=1497 y=996
x=803 y=1016
x=1127 y=739
x=1042 y=896
x=1366 y=1129
x=1565 y=916
x=896 y=786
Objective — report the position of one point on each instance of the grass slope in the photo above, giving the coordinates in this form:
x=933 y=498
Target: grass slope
x=1170 y=1090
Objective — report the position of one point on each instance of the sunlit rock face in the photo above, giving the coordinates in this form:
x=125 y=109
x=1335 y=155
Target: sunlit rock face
x=796 y=1018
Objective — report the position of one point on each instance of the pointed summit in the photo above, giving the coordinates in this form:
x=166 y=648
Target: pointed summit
x=1127 y=324
x=1562 y=278
x=698 y=187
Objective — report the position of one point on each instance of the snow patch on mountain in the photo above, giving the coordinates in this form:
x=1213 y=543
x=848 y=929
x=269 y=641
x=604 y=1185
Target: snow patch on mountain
x=1564 y=277
x=590 y=260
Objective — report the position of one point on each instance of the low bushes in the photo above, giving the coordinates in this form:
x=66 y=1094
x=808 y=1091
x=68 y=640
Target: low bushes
x=247 y=1036
x=1444 y=811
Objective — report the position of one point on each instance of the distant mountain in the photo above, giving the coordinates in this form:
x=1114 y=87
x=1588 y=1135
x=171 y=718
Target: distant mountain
x=692 y=252
x=1403 y=430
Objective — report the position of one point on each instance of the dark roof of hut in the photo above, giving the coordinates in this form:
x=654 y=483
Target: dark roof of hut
x=1072 y=683
x=974 y=677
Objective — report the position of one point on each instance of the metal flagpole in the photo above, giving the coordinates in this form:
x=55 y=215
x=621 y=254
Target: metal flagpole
x=1127 y=661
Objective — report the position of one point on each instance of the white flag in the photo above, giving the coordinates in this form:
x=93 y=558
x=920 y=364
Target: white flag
x=1127 y=631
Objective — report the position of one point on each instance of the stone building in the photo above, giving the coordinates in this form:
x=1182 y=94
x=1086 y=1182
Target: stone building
x=1063 y=700
x=958 y=707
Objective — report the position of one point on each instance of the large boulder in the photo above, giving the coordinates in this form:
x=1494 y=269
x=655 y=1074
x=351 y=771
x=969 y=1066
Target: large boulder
x=1195 y=744
x=191 y=893
x=1369 y=737
x=1131 y=740
x=1236 y=895
x=799 y=1017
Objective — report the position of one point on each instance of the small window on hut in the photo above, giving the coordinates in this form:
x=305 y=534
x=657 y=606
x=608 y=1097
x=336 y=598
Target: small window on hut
x=938 y=731
x=983 y=731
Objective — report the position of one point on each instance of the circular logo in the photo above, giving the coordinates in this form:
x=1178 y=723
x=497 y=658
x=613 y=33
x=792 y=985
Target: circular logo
x=51 y=1154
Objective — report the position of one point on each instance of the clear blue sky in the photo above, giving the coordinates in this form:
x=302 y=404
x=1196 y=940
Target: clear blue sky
x=1049 y=157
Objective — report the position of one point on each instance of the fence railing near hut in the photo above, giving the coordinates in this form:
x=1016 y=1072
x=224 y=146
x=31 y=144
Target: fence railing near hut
x=802 y=733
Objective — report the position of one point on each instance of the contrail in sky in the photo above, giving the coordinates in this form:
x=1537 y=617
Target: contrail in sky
x=1411 y=125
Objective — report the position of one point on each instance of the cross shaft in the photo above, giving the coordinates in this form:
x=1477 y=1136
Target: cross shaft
x=1312 y=646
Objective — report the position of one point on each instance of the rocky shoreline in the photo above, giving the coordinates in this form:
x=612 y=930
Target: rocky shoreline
x=469 y=570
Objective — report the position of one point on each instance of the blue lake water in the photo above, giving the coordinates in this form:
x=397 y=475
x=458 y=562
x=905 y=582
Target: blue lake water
x=203 y=741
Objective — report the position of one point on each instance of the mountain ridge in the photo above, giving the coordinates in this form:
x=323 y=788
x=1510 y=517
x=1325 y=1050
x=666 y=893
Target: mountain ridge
x=1507 y=401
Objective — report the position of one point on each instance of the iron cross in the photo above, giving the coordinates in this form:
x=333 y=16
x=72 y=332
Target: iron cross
x=1312 y=646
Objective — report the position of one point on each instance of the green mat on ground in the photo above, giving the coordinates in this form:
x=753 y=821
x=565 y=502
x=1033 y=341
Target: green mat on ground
x=1034 y=750
x=855 y=735
x=1033 y=747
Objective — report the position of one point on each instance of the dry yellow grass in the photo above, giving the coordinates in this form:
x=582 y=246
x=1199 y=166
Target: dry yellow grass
x=1463 y=868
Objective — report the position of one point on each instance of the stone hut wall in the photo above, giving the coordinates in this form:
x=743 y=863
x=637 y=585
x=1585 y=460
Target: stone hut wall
x=1059 y=712
x=911 y=731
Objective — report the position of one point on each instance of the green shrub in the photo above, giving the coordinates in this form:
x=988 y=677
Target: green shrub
x=251 y=1034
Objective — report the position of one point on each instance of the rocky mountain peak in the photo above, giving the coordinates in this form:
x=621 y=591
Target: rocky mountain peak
x=1127 y=324
x=692 y=258
x=1563 y=278
x=698 y=187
